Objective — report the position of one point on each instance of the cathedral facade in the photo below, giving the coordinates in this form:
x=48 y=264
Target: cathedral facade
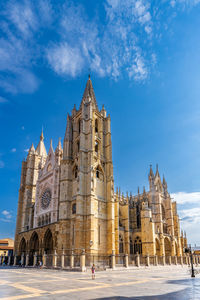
x=67 y=202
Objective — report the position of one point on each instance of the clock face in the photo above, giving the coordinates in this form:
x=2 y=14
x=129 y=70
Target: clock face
x=46 y=198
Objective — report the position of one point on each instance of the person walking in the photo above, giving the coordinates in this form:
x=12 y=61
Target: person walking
x=93 y=271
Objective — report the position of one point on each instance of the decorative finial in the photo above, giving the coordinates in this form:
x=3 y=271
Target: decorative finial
x=42 y=135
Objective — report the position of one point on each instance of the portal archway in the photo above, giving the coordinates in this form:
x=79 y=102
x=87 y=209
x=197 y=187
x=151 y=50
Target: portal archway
x=157 y=247
x=34 y=243
x=48 y=242
x=167 y=247
x=22 y=246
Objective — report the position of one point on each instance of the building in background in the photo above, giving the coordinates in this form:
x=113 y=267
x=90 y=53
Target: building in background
x=67 y=201
x=6 y=247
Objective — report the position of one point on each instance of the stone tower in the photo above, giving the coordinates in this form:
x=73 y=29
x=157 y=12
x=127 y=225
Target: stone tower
x=86 y=207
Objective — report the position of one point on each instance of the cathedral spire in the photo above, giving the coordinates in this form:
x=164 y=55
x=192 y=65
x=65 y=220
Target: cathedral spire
x=88 y=95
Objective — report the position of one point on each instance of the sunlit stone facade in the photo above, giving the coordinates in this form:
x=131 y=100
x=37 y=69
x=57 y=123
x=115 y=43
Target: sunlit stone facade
x=67 y=203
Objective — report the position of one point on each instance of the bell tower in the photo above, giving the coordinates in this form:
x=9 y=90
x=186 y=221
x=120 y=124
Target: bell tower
x=86 y=182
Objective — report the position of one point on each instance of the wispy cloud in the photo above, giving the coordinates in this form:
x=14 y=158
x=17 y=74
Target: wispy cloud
x=189 y=212
x=186 y=198
x=13 y=150
x=184 y=3
x=121 y=43
x=7 y=216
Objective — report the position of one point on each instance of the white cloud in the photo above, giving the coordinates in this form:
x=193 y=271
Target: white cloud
x=65 y=60
x=7 y=216
x=26 y=150
x=189 y=213
x=23 y=17
x=119 y=44
x=186 y=198
x=184 y=2
x=13 y=150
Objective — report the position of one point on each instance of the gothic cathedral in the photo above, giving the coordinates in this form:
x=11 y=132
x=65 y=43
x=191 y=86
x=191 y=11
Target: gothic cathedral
x=67 y=202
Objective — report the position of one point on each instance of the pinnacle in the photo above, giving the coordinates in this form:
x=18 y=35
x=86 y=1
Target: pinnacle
x=151 y=172
x=42 y=135
x=32 y=149
x=89 y=93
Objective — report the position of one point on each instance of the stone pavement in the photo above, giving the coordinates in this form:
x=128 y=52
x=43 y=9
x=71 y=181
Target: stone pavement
x=155 y=283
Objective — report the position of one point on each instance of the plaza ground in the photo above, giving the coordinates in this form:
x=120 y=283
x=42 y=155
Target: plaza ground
x=169 y=282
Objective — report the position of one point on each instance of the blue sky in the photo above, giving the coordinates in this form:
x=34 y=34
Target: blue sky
x=144 y=59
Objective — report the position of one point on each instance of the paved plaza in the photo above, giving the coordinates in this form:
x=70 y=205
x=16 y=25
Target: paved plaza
x=170 y=282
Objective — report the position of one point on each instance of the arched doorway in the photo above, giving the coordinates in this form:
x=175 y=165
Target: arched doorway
x=137 y=246
x=157 y=247
x=22 y=246
x=48 y=242
x=34 y=247
x=167 y=247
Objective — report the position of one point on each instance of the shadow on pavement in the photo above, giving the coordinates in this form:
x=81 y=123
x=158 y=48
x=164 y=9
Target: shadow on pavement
x=180 y=295
x=190 y=292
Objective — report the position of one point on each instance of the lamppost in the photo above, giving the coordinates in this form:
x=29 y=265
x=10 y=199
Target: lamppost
x=189 y=250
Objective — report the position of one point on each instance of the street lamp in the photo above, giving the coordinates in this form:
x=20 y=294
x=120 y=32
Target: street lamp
x=189 y=250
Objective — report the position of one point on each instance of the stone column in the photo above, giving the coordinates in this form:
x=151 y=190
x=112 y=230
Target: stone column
x=63 y=259
x=27 y=260
x=9 y=260
x=137 y=260
x=175 y=260
x=155 y=260
x=163 y=259
x=15 y=260
x=113 y=260
x=1 y=260
x=170 y=260
x=22 y=259
x=35 y=259
x=72 y=260
x=147 y=261
x=181 y=260
x=55 y=257
x=126 y=260
x=44 y=258
x=82 y=261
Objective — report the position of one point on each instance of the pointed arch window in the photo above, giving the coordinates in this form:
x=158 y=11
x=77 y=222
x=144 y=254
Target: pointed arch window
x=74 y=208
x=121 y=244
x=137 y=246
x=79 y=126
x=75 y=172
x=96 y=147
x=99 y=173
x=131 y=246
x=96 y=125
x=163 y=212
x=138 y=216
